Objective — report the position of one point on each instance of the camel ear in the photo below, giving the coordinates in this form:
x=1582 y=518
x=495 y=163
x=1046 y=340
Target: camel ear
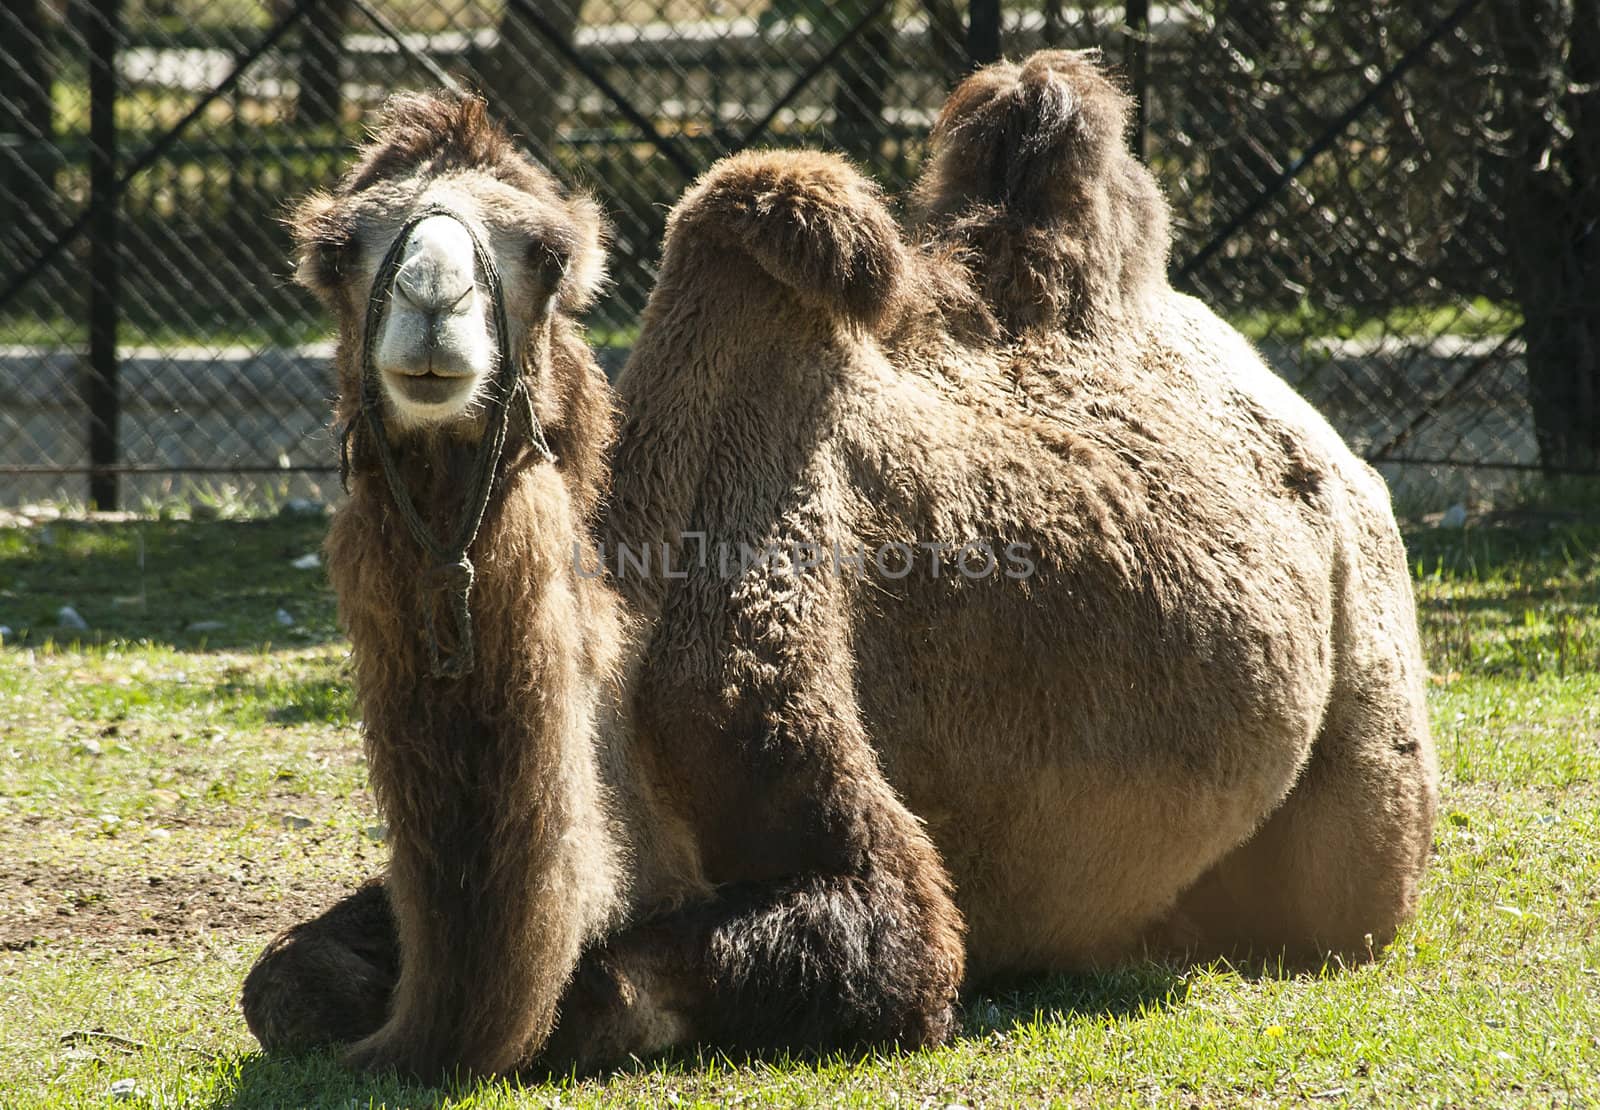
x=583 y=256
x=322 y=243
x=808 y=219
x=567 y=258
x=1026 y=136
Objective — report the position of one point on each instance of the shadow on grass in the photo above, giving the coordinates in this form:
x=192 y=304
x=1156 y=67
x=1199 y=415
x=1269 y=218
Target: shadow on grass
x=260 y=1081
x=188 y=585
x=1003 y=1007
x=1005 y=1004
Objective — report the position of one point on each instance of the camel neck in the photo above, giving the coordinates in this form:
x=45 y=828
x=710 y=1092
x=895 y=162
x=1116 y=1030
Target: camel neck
x=489 y=782
x=395 y=597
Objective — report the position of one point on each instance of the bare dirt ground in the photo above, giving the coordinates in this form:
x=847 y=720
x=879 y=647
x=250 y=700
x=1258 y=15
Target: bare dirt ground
x=40 y=903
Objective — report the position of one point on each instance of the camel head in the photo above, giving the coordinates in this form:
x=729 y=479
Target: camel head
x=440 y=176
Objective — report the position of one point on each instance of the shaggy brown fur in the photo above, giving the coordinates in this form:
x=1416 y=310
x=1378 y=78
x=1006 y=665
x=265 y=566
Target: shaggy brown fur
x=490 y=783
x=1192 y=724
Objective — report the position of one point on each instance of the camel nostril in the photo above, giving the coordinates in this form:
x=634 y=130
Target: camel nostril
x=434 y=310
x=433 y=289
x=427 y=297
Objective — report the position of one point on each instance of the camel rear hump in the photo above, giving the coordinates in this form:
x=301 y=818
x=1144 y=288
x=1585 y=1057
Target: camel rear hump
x=1029 y=173
x=1023 y=134
x=808 y=219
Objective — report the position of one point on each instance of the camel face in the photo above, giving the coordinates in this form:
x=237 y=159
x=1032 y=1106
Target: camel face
x=452 y=184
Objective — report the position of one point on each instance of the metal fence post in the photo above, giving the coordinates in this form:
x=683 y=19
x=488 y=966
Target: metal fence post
x=983 y=32
x=101 y=389
x=1136 y=61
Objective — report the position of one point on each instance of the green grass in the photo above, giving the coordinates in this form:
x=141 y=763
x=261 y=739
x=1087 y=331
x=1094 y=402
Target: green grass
x=169 y=798
x=167 y=583
x=1478 y=318
x=36 y=330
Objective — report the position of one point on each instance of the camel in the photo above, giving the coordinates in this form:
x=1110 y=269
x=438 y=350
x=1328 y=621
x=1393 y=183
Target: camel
x=479 y=731
x=988 y=607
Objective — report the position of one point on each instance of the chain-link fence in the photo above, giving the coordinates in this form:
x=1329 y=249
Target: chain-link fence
x=1391 y=200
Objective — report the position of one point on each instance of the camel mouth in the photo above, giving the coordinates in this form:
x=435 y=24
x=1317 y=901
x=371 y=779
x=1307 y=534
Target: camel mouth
x=430 y=387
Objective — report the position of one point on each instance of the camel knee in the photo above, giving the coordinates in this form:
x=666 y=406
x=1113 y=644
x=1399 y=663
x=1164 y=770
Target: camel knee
x=1335 y=871
x=1367 y=818
x=306 y=993
x=325 y=981
x=818 y=964
x=844 y=962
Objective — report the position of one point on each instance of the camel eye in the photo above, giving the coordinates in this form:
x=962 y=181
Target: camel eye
x=325 y=257
x=334 y=254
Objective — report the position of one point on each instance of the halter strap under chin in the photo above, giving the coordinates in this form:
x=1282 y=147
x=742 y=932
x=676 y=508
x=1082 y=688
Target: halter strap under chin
x=451 y=572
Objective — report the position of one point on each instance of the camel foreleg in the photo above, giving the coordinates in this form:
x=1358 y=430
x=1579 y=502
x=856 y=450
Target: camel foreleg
x=813 y=964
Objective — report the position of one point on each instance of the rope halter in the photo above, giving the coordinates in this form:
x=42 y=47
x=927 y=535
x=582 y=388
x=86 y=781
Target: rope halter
x=451 y=572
